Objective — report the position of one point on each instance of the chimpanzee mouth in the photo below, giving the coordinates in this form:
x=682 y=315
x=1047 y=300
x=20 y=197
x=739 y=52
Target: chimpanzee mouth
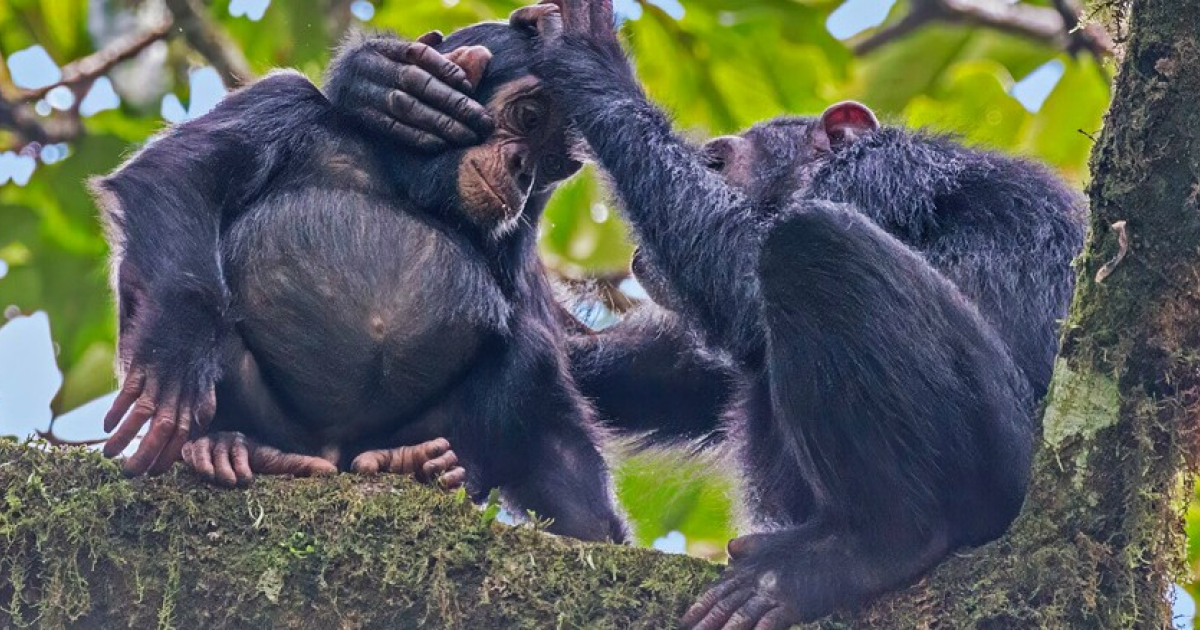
x=506 y=202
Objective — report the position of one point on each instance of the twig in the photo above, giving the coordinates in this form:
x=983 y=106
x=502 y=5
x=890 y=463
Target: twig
x=20 y=118
x=1055 y=26
x=922 y=12
x=83 y=72
x=16 y=111
x=1083 y=37
x=208 y=39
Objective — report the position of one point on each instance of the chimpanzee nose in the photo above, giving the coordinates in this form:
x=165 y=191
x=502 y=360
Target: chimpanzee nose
x=520 y=165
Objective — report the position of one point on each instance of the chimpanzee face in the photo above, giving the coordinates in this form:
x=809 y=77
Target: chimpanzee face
x=527 y=153
x=772 y=161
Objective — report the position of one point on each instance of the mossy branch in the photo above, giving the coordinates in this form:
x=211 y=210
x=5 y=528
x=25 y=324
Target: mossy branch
x=80 y=546
x=1096 y=546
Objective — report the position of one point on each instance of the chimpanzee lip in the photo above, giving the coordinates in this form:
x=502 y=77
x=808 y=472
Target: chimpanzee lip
x=487 y=185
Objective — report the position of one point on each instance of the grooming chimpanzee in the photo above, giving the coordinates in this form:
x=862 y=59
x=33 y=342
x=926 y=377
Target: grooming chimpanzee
x=890 y=300
x=891 y=297
x=343 y=297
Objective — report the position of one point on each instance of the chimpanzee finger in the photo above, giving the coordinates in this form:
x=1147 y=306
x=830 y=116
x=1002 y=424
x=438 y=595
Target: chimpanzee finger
x=412 y=112
x=544 y=19
x=369 y=463
x=410 y=137
x=710 y=600
x=576 y=16
x=432 y=38
x=197 y=455
x=141 y=413
x=748 y=615
x=776 y=619
x=434 y=468
x=426 y=103
x=222 y=462
x=267 y=460
x=383 y=76
x=162 y=430
x=169 y=455
x=425 y=58
x=241 y=461
x=131 y=389
x=601 y=20
x=452 y=479
x=723 y=610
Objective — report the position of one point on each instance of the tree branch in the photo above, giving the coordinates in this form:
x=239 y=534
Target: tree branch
x=1054 y=26
x=81 y=73
x=16 y=111
x=208 y=39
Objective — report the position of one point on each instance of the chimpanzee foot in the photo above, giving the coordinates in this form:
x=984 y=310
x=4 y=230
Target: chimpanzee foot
x=430 y=462
x=231 y=459
x=746 y=597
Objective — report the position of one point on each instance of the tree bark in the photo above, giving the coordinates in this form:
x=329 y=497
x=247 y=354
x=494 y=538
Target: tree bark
x=1097 y=545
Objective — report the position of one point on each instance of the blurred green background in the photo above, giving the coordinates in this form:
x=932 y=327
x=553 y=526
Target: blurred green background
x=717 y=65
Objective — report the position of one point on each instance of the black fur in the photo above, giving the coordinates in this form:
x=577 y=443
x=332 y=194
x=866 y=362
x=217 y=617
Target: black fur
x=281 y=247
x=893 y=308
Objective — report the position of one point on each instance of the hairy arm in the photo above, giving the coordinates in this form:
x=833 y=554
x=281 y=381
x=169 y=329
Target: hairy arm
x=164 y=210
x=700 y=232
x=650 y=376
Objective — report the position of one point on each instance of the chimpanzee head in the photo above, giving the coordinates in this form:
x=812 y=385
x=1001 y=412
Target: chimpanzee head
x=771 y=161
x=528 y=152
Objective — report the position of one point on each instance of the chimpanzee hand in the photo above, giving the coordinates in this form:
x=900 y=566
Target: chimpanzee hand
x=173 y=401
x=411 y=93
x=740 y=600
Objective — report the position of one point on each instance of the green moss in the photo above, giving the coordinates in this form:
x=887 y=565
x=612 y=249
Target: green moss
x=80 y=546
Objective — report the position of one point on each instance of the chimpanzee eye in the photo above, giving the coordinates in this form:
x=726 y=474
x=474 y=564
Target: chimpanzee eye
x=527 y=116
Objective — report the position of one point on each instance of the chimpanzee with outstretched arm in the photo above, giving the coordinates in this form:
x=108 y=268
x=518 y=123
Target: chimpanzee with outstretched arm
x=890 y=300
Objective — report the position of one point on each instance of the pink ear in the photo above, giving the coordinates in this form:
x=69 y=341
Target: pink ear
x=848 y=121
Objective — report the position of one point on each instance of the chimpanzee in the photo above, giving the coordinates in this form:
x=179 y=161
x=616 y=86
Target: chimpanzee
x=889 y=299
x=336 y=297
x=892 y=298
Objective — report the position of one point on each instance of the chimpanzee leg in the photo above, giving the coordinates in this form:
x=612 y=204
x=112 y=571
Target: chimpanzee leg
x=894 y=403
x=249 y=416
x=521 y=426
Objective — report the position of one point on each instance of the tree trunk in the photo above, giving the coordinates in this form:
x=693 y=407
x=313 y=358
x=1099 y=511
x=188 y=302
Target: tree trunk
x=1097 y=545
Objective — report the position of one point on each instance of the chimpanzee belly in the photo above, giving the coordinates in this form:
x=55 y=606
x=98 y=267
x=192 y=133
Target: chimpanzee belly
x=359 y=313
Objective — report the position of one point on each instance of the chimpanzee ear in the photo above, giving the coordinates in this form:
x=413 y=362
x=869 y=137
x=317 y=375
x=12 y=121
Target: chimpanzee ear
x=846 y=122
x=473 y=60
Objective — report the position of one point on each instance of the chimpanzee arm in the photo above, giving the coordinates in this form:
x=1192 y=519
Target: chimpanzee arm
x=519 y=424
x=165 y=209
x=701 y=232
x=649 y=376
